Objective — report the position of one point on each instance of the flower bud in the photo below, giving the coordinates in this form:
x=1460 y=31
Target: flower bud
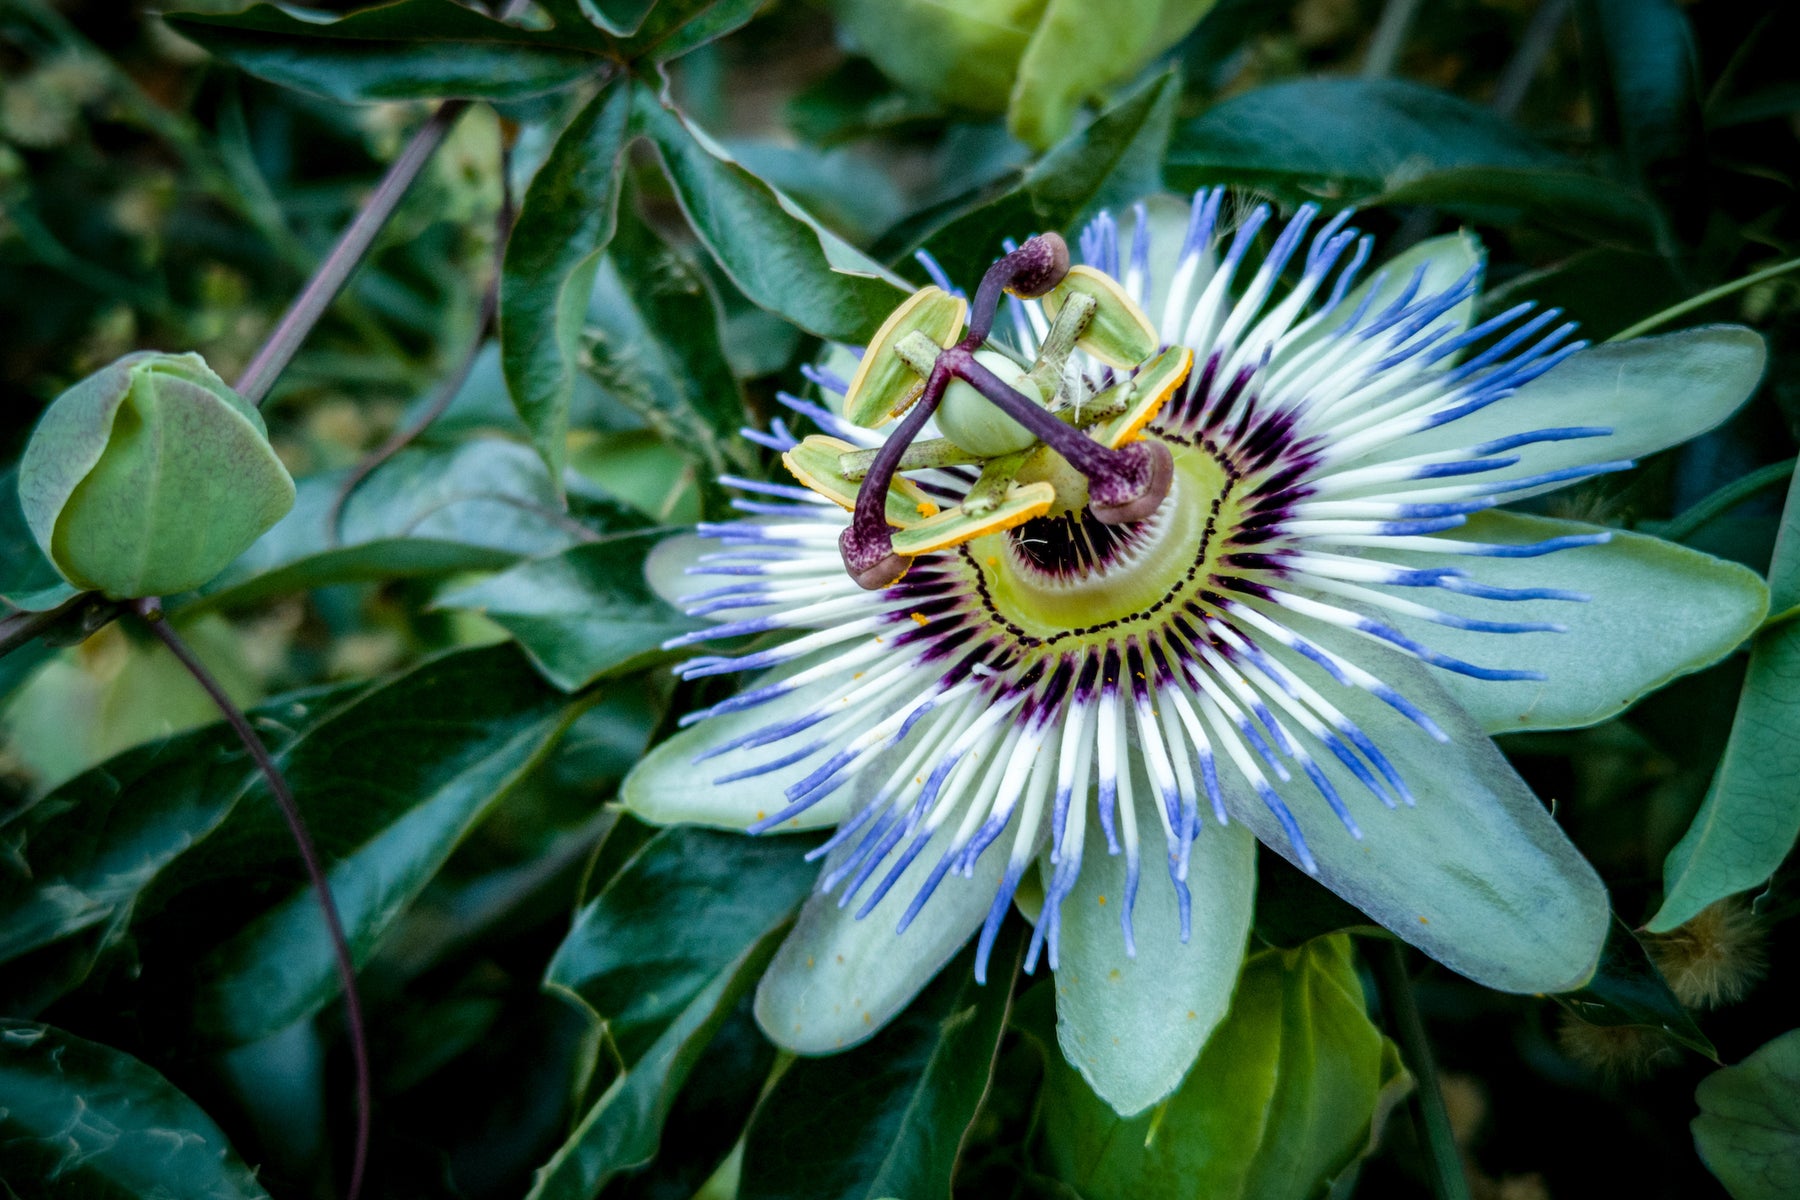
x=148 y=477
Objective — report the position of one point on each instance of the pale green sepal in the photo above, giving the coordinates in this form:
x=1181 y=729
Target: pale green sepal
x=1655 y=611
x=837 y=979
x=668 y=787
x=1652 y=392
x=1749 y=820
x=1133 y=1026
x=1478 y=874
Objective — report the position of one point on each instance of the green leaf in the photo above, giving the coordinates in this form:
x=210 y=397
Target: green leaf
x=1567 y=199
x=709 y=1115
x=1748 y=1130
x=1475 y=873
x=1114 y=161
x=392 y=782
x=963 y=54
x=776 y=254
x=1075 y=51
x=1646 y=58
x=478 y=505
x=674 y=27
x=78 y=1119
x=1749 y=820
x=1655 y=610
x=581 y=615
x=1652 y=392
x=660 y=958
x=409 y=50
x=565 y=220
x=81 y=857
x=1132 y=1025
x=27 y=579
x=888 y=1118
x=654 y=348
x=1627 y=989
x=1289 y=1092
x=1378 y=141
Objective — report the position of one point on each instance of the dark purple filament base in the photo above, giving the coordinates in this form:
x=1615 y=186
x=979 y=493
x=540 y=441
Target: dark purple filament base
x=1124 y=485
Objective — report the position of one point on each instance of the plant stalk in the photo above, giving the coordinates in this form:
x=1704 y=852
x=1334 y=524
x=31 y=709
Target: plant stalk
x=151 y=612
x=1388 y=959
x=353 y=244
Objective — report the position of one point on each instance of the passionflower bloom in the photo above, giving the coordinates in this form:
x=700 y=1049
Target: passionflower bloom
x=1191 y=546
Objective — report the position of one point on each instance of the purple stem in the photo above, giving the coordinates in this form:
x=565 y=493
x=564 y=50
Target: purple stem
x=151 y=611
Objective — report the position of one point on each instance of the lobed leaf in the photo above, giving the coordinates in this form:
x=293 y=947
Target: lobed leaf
x=392 y=782
x=407 y=50
x=776 y=254
x=889 y=1117
x=1748 y=1130
x=581 y=615
x=661 y=959
x=81 y=1119
x=565 y=221
x=1289 y=1092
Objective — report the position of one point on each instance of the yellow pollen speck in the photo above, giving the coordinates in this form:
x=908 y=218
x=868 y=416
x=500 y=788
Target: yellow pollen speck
x=760 y=814
x=809 y=963
x=1114 y=974
x=1103 y=899
x=927 y=509
x=859 y=675
x=867 y=1019
x=1424 y=921
x=840 y=958
x=1192 y=1015
x=920 y=618
x=993 y=560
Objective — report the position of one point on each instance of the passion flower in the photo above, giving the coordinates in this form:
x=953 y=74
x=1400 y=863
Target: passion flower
x=1284 y=645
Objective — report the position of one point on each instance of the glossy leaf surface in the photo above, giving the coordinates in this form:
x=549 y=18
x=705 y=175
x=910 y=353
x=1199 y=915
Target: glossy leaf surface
x=81 y=1119
x=896 y=1109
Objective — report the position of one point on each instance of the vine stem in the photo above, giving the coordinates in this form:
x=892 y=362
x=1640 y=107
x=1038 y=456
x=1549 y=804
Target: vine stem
x=1703 y=299
x=1389 y=962
x=1683 y=526
x=151 y=611
x=352 y=245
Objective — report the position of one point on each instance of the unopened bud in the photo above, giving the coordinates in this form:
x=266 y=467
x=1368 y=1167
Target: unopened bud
x=148 y=477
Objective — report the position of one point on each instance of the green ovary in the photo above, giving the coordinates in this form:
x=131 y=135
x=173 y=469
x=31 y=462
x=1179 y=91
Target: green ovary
x=1164 y=560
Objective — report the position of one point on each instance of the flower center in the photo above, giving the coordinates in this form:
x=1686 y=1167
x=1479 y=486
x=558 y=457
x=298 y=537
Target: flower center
x=1065 y=575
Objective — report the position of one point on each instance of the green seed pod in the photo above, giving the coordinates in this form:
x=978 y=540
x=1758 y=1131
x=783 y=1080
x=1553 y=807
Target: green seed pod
x=970 y=419
x=149 y=476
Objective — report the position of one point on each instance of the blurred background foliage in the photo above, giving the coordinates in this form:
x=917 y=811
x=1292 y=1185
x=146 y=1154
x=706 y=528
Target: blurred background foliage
x=451 y=649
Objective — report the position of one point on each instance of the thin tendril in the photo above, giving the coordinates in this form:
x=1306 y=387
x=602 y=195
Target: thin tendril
x=151 y=611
